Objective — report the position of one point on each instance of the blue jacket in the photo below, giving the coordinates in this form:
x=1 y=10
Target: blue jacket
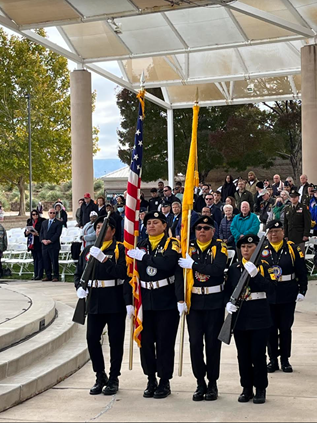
x=244 y=225
x=225 y=231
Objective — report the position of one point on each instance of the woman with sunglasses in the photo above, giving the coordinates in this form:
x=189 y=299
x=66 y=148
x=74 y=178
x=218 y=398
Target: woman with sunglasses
x=205 y=291
x=32 y=232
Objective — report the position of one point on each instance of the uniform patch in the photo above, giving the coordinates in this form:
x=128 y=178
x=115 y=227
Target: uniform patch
x=299 y=211
x=277 y=271
x=265 y=253
x=250 y=239
x=156 y=215
x=87 y=257
x=201 y=278
x=176 y=247
x=151 y=271
x=301 y=255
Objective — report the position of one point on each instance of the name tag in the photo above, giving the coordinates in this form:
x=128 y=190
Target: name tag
x=300 y=211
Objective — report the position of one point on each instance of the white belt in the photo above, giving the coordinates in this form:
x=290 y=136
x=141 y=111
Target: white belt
x=257 y=296
x=157 y=284
x=105 y=284
x=205 y=290
x=287 y=278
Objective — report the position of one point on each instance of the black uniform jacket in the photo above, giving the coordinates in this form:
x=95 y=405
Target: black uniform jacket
x=297 y=223
x=161 y=263
x=208 y=269
x=109 y=299
x=254 y=314
x=291 y=260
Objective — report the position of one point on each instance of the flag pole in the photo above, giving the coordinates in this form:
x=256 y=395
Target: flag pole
x=142 y=90
x=182 y=333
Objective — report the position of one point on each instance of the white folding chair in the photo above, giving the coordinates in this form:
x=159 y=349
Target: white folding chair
x=71 y=223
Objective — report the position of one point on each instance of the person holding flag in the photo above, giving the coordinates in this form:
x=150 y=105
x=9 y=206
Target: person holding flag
x=162 y=291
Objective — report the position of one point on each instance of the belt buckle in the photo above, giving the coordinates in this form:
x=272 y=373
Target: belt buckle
x=202 y=290
x=151 y=285
x=157 y=284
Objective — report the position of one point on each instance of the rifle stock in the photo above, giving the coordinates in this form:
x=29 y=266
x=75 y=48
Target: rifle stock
x=227 y=328
x=81 y=307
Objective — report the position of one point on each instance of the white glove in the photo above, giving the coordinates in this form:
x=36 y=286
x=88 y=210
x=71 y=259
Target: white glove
x=251 y=269
x=130 y=311
x=182 y=308
x=300 y=298
x=81 y=293
x=231 y=308
x=136 y=254
x=186 y=263
x=97 y=253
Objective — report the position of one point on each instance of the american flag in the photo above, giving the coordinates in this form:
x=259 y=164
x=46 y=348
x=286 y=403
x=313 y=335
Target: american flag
x=131 y=221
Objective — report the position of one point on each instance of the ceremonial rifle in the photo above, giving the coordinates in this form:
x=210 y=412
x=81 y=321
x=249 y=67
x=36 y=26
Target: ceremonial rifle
x=88 y=274
x=227 y=328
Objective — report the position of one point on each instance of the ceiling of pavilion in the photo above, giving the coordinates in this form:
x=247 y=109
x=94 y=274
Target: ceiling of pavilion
x=232 y=51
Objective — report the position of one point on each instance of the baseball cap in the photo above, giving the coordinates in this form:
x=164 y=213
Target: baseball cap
x=263 y=192
x=93 y=213
x=87 y=195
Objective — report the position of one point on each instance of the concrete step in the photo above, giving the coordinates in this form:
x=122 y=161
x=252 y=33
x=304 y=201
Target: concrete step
x=59 y=353
x=23 y=314
x=15 y=359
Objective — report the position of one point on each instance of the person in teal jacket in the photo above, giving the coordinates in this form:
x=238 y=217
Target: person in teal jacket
x=245 y=223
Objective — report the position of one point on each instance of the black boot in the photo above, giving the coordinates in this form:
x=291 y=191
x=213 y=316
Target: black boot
x=260 y=395
x=247 y=395
x=200 y=391
x=212 y=392
x=151 y=387
x=286 y=367
x=112 y=387
x=101 y=381
x=163 y=390
x=272 y=366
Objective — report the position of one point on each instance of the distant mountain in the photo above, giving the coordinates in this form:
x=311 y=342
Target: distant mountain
x=104 y=166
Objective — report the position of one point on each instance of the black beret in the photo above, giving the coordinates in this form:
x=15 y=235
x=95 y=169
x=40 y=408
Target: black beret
x=274 y=224
x=112 y=222
x=248 y=239
x=294 y=193
x=207 y=220
x=154 y=215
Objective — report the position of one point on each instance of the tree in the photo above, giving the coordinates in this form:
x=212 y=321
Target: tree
x=28 y=68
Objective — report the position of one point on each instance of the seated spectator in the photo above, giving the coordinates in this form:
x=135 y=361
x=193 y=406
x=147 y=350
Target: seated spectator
x=286 y=198
x=33 y=242
x=3 y=245
x=61 y=214
x=232 y=202
x=228 y=188
x=88 y=235
x=245 y=223
x=101 y=203
x=224 y=229
x=277 y=212
x=142 y=228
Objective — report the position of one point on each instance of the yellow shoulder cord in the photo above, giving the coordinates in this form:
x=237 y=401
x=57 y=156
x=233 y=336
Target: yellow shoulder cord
x=261 y=270
x=292 y=253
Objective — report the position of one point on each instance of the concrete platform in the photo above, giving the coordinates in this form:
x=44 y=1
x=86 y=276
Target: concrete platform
x=290 y=397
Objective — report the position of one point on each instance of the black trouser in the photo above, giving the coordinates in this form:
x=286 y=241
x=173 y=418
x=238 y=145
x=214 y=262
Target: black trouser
x=116 y=329
x=1 y=269
x=158 y=342
x=205 y=324
x=251 y=346
x=38 y=263
x=50 y=256
x=283 y=319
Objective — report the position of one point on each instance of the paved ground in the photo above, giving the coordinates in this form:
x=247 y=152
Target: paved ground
x=290 y=397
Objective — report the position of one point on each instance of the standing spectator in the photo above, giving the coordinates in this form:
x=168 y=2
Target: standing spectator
x=307 y=197
x=252 y=181
x=290 y=182
x=113 y=200
x=1 y=212
x=278 y=185
x=101 y=204
x=88 y=235
x=200 y=200
x=266 y=184
x=243 y=195
x=232 y=202
x=178 y=194
x=278 y=211
x=207 y=212
x=32 y=232
x=257 y=197
x=169 y=196
x=86 y=208
x=142 y=228
x=303 y=190
x=297 y=223
x=117 y=218
x=285 y=197
x=215 y=211
x=166 y=210
x=61 y=214
x=177 y=219
x=80 y=203
x=217 y=200
x=265 y=206
x=228 y=188
x=160 y=188
x=39 y=209
x=245 y=223
x=143 y=203
x=155 y=200
x=287 y=187
x=51 y=231
x=313 y=209
x=121 y=213
x=3 y=245
x=224 y=230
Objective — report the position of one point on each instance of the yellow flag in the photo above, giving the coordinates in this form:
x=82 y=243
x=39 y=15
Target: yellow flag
x=192 y=181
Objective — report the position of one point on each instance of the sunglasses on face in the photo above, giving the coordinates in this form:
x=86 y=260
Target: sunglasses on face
x=205 y=228
x=166 y=190
x=51 y=212
x=209 y=199
x=34 y=214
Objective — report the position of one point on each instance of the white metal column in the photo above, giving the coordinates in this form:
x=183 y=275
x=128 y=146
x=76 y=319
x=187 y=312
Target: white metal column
x=170 y=143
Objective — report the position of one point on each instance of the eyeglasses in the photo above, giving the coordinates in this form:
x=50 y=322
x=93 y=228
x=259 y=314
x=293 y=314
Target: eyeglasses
x=51 y=212
x=166 y=190
x=34 y=214
x=209 y=199
x=205 y=228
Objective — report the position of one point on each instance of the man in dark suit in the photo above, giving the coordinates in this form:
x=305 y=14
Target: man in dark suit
x=51 y=231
